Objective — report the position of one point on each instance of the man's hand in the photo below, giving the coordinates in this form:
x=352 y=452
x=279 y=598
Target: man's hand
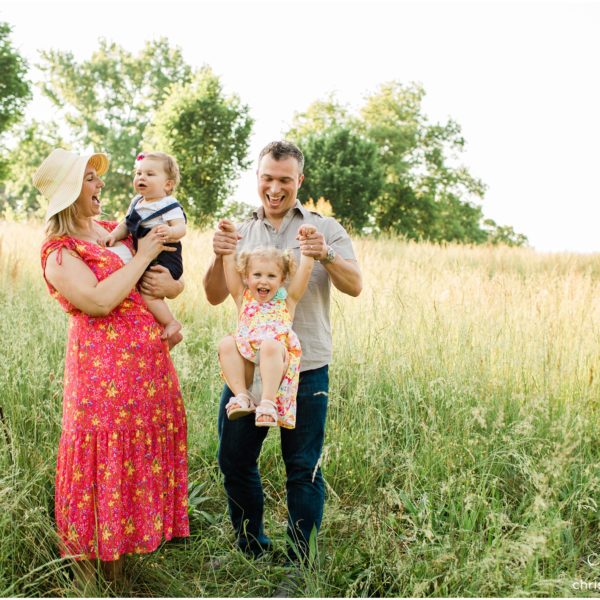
x=225 y=238
x=157 y=282
x=312 y=242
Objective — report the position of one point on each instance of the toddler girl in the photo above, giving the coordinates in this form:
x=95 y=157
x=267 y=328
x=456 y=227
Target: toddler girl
x=156 y=177
x=265 y=315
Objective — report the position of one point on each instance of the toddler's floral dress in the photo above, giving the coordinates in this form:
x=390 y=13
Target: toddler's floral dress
x=261 y=320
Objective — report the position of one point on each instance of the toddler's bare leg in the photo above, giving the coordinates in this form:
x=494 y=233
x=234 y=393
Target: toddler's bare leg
x=273 y=363
x=162 y=313
x=238 y=371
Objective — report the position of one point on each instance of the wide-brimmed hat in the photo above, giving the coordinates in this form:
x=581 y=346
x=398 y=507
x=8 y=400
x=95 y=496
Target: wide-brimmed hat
x=60 y=177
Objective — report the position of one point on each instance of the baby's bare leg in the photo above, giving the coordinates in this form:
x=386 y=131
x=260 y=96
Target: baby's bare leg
x=162 y=313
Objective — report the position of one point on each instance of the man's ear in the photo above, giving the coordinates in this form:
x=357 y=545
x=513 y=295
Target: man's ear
x=300 y=180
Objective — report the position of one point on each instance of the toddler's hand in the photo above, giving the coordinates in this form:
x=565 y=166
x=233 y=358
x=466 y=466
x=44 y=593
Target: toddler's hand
x=226 y=225
x=304 y=231
x=225 y=238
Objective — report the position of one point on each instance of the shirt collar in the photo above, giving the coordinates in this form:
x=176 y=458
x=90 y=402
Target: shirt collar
x=259 y=213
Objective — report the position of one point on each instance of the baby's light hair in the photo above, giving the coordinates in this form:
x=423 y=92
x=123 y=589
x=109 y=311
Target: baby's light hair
x=284 y=258
x=168 y=162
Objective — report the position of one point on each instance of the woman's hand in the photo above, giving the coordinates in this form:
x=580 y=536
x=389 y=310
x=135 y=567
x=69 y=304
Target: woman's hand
x=152 y=244
x=157 y=282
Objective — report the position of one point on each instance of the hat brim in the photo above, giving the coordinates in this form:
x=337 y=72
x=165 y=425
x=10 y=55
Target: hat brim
x=69 y=188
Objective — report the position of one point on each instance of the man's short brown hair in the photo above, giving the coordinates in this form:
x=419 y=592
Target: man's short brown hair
x=281 y=150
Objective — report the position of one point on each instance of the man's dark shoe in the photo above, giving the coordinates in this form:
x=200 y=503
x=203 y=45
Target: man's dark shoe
x=292 y=584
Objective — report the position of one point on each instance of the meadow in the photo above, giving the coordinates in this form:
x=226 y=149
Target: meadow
x=462 y=455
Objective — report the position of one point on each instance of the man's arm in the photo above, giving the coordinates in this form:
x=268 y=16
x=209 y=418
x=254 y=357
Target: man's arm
x=345 y=274
x=215 y=286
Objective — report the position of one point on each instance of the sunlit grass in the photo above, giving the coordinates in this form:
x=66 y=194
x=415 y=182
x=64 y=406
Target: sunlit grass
x=462 y=454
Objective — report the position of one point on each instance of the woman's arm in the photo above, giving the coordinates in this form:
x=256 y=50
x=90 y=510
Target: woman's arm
x=74 y=280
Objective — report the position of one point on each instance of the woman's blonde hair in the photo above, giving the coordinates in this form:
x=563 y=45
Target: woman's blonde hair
x=62 y=223
x=284 y=258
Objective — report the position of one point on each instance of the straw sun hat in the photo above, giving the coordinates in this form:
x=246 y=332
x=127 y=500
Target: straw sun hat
x=60 y=177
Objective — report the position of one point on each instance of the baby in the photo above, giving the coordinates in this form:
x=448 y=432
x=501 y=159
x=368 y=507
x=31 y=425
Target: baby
x=156 y=177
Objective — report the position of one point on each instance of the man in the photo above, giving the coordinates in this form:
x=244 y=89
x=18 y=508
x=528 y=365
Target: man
x=275 y=223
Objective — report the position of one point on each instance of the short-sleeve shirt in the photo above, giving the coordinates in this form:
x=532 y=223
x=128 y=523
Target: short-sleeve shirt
x=145 y=209
x=311 y=320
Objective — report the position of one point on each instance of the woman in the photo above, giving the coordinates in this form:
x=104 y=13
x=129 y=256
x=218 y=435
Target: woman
x=121 y=481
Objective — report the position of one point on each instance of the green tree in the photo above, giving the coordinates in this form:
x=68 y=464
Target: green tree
x=321 y=115
x=428 y=193
x=503 y=234
x=15 y=90
x=19 y=198
x=208 y=133
x=342 y=167
x=108 y=101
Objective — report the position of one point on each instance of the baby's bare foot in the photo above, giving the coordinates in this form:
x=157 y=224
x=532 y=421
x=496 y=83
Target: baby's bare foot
x=171 y=329
x=174 y=339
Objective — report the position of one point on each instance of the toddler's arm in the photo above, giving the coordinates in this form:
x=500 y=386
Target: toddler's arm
x=233 y=279
x=299 y=281
x=118 y=233
x=174 y=231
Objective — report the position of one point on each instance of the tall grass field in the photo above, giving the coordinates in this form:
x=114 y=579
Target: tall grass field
x=462 y=455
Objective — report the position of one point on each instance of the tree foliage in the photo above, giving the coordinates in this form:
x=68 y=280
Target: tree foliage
x=343 y=167
x=208 y=133
x=19 y=198
x=108 y=101
x=427 y=193
x=15 y=90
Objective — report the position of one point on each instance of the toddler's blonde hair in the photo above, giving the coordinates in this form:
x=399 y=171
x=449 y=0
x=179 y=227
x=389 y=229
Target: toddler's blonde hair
x=284 y=258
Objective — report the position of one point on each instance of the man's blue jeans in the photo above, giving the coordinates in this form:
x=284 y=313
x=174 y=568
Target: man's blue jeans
x=240 y=443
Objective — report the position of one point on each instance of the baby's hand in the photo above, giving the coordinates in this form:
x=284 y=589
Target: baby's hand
x=304 y=231
x=107 y=240
x=164 y=231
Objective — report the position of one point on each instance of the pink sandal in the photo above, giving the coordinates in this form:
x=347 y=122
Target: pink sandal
x=245 y=405
x=270 y=410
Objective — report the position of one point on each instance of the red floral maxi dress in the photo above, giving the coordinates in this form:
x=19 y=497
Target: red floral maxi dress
x=121 y=478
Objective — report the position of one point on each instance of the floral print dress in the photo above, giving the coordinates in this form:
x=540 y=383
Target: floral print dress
x=121 y=479
x=260 y=320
